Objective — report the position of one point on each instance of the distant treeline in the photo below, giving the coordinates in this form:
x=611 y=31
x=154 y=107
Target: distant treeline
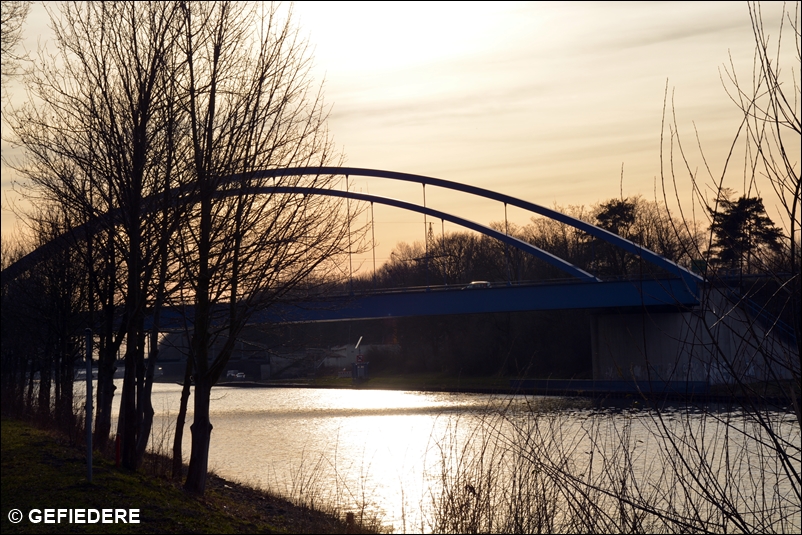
x=744 y=240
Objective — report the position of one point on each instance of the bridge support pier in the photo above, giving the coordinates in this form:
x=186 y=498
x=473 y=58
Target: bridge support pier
x=642 y=346
x=718 y=342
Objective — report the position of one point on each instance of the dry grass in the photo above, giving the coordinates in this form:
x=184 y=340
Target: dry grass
x=45 y=469
x=634 y=471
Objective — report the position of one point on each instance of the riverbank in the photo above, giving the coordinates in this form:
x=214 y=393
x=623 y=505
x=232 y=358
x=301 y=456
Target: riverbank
x=43 y=470
x=692 y=392
x=415 y=382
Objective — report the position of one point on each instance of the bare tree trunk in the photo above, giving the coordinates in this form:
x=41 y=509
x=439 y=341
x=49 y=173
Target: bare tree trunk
x=45 y=374
x=201 y=437
x=29 y=398
x=201 y=428
x=105 y=396
x=144 y=403
x=109 y=346
x=127 y=418
x=178 y=455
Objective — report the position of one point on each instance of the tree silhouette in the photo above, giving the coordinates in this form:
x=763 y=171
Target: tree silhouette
x=248 y=107
x=617 y=216
x=742 y=234
x=99 y=135
x=12 y=19
x=164 y=115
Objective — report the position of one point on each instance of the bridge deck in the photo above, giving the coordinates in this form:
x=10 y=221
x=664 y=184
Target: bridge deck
x=649 y=294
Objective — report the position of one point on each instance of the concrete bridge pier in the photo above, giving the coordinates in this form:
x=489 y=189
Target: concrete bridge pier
x=642 y=346
x=717 y=342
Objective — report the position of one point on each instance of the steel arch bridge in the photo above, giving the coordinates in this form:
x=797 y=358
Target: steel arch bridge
x=680 y=289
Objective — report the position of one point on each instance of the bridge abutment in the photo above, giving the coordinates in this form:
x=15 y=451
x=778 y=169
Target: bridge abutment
x=718 y=342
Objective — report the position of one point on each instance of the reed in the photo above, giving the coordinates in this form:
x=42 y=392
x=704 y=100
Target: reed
x=614 y=471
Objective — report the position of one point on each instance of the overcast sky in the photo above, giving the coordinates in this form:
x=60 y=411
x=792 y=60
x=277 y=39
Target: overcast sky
x=543 y=101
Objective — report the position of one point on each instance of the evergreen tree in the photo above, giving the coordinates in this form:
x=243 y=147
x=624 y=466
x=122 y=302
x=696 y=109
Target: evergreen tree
x=618 y=216
x=742 y=231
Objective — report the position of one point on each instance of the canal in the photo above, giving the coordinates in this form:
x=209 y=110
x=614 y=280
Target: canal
x=429 y=462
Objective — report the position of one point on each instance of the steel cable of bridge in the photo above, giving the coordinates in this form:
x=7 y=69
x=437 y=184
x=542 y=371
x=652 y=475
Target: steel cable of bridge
x=506 y=247
x=555 y=261
x=373 y=242
x=650 y=256
x=425 y=238
x=348 y=220
x=443 y=254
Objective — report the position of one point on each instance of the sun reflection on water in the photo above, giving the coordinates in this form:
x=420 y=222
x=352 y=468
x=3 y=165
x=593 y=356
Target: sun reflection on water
x=382 y=452
x=355 y=449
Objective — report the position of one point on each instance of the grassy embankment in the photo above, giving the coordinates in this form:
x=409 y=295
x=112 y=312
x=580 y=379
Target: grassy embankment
x=41 y=470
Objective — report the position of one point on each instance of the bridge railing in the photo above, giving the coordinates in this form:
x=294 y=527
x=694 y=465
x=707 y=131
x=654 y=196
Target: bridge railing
x=491 y=285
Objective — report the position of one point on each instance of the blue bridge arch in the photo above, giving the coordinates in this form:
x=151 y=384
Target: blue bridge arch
x=598 y=232
x=690 y=279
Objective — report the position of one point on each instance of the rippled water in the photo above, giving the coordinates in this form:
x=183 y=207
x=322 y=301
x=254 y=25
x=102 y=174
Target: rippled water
x=347 y=447
x=383 y=451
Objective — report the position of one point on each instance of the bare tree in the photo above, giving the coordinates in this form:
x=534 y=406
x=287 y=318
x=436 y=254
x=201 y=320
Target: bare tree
x=155 y=114
x=647 y=223
x=97 y=135
x=250 y=106
x=42 y=326
x=747 y=333
x=13 y=17
x=773 y=121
